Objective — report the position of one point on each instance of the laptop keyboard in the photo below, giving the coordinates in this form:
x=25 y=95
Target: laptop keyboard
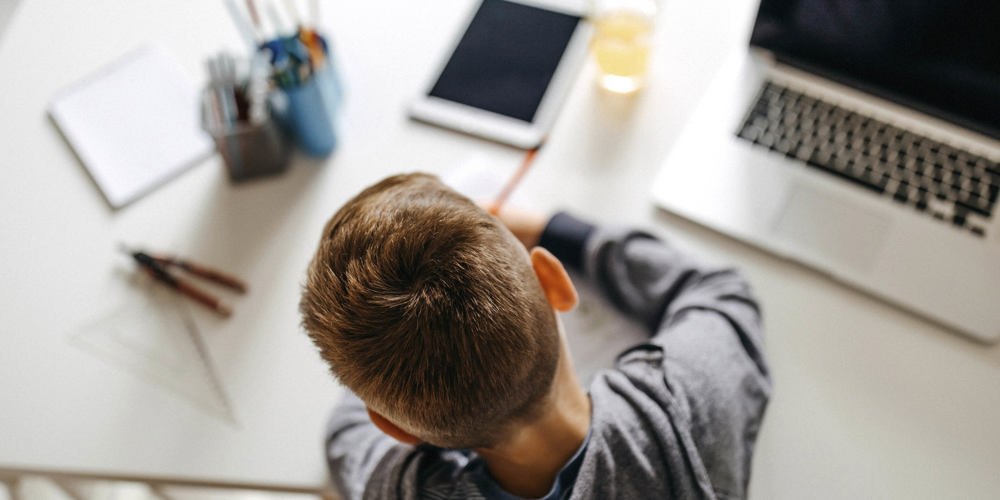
x=949 y=184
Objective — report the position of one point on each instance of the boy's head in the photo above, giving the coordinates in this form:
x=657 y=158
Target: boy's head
x=428 y=309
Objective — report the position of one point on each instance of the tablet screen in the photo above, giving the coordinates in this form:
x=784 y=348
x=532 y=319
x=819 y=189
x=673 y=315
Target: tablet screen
x=506 y=58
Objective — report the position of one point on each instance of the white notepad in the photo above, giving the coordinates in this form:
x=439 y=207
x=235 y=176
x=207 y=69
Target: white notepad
x=134 y=124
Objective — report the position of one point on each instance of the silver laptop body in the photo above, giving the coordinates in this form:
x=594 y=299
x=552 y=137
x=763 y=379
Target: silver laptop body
x=917 y=258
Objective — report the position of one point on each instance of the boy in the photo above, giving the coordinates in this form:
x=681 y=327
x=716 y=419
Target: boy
x=443 y=326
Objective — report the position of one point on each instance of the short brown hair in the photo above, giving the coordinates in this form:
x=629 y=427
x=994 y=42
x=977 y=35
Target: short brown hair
x=426 y=307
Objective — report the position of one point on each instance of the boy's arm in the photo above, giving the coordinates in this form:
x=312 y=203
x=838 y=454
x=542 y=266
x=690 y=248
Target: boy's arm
x=704 y=324
x=674 y=295
x=650 y=280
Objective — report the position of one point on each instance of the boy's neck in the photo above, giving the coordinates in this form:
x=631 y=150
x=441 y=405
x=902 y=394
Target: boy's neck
x=527 y=464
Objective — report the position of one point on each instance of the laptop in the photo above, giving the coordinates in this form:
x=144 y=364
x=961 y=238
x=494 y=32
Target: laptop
x=861 y=139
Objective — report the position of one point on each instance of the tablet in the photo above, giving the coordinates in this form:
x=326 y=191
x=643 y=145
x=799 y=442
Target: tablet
x=508 y=74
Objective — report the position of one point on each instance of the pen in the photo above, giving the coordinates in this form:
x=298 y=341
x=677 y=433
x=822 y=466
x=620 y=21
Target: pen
x=243 y=25
x=312 y=42
x=513 y=182
x=313 y=12
x=252 y=9
x=280 y=26
x=294 y=12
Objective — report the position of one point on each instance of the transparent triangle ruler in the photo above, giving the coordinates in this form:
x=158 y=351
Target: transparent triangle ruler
x=155 y=338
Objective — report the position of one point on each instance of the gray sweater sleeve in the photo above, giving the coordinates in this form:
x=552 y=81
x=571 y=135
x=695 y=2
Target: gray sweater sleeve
x=705 y=332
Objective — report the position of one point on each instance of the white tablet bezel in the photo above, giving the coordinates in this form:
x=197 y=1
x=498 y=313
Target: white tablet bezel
x=499 y=127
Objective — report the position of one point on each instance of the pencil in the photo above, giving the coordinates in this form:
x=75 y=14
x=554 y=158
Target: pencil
x=253 y=15
x=513 y=182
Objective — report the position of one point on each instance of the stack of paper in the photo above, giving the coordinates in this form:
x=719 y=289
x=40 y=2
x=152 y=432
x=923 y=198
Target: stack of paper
x=134 y=125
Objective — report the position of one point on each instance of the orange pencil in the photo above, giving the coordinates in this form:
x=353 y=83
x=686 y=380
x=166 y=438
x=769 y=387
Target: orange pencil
x=513 y=182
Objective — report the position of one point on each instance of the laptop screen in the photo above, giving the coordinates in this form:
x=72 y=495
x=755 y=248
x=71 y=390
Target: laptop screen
x=941 y=57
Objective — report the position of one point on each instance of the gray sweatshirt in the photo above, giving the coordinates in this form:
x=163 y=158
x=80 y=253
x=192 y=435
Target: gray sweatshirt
x=676 y=418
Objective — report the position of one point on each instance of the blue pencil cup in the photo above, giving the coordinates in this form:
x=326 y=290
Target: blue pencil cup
x=312 y=112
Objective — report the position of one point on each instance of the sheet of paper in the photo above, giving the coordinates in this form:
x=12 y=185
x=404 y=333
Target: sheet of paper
x=481 y=181
x=597 y=332
x=134 y=124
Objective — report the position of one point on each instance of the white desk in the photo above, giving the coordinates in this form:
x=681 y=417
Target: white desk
x=869 y=403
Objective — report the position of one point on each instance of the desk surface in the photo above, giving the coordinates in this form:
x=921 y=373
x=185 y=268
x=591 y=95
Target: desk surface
x=870 y=402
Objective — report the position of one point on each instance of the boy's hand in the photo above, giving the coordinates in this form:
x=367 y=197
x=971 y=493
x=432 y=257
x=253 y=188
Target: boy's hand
x=527 y=226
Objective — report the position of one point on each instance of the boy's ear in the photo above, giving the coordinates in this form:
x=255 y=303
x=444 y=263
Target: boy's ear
x=559 y=289
x=391 y=429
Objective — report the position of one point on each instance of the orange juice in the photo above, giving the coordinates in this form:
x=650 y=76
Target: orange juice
x=621 y=45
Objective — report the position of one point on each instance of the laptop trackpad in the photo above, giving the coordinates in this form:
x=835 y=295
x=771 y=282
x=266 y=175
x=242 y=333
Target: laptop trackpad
x=819 y=225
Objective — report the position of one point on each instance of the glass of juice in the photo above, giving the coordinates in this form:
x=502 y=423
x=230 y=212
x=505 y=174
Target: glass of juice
x=623 y=35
